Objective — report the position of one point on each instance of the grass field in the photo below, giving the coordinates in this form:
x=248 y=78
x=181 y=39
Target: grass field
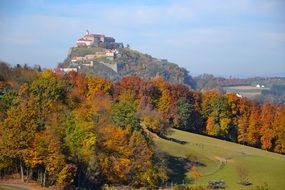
x=246 y=91
x=220 y=159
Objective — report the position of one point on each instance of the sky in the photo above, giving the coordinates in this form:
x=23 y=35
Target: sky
x=237 y=38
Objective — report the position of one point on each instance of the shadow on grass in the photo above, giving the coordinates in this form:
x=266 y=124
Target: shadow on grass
x=172 y=139
x=178 y=168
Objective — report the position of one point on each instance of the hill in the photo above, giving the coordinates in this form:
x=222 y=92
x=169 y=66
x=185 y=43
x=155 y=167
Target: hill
x=115 y=64
x=221 y=160
x=261 y=89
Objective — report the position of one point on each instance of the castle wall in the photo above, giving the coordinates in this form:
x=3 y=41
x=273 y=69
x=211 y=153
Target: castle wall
x=113 y=66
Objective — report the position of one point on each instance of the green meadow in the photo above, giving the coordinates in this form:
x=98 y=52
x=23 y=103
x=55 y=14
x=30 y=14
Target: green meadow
x=221 y=160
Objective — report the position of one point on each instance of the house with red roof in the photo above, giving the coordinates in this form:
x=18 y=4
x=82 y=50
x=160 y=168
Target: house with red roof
x=98 y=40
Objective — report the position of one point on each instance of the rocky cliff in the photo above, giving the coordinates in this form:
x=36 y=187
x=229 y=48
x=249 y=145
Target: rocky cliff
x=125 y=62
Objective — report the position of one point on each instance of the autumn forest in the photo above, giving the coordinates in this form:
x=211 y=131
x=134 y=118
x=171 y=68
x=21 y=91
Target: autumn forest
x=78 y=130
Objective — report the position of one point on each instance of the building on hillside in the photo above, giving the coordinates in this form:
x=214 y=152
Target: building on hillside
x=88 y=64
x=110 y=53
x=98 y=40
x=89 y=57
x=109 y=39
x=90 y=40
x=76 y=59
x=260 y=86
x=238 y=95
x=69 y=69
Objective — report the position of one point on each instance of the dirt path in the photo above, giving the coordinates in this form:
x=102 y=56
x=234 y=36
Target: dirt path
x=14 y=187
x=15 y=184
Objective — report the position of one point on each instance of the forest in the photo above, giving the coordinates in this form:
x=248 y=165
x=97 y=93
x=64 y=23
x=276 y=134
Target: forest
x=76 y=130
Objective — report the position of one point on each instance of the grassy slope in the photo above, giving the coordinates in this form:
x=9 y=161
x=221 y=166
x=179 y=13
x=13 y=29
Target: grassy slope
x=222 y=158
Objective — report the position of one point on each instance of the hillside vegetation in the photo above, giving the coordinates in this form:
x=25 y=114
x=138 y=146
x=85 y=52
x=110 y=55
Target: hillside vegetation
x=73 y=130
x=133 y=63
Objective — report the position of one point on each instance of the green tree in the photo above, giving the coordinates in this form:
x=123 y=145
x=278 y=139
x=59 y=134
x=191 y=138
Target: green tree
x=46 y=88
x=185 y=114
x=7 y=100
x=124 y=115
x=47 y=92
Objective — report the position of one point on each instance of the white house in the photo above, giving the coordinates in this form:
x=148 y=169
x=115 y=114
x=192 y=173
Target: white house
x=238 y=95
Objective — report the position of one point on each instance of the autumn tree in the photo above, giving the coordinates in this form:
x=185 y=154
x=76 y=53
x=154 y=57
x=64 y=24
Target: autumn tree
x=165 y=99
x=76 y=87
x=18 y=132
x=212 y=128
x=98 y=85
x=266 y=130
x=69 y=129
x=151 y=94
x=243 y=121
x=152 y=120
x=45 y=156
x=279 y=129
x=114 y=154
x=195 y=173
x=131 y=85
x=253 y=132
x=145 y=171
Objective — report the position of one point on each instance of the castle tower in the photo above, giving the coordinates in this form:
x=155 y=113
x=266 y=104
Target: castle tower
x=87 y=32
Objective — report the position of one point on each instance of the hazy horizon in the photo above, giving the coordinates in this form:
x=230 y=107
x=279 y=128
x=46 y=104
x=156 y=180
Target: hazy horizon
x=244 y=38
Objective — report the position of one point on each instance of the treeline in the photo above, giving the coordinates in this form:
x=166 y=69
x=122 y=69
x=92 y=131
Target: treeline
x=208 y=81
x=84 y=131
x=275 y=94
x=74 y=130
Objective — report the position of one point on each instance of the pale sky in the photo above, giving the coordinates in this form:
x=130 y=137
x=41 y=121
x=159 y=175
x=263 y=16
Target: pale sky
x=220 y=37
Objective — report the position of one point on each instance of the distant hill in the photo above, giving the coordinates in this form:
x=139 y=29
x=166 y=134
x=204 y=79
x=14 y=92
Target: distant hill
x=115 y=64
x=262 y=89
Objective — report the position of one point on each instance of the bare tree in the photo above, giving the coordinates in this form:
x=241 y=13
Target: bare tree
x=243 y=175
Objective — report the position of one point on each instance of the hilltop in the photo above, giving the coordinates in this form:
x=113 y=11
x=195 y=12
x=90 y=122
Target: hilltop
x=112 y=61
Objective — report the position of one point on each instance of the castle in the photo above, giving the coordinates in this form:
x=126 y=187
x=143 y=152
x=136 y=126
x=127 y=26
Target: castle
x=104 y=56
x=98 y=40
